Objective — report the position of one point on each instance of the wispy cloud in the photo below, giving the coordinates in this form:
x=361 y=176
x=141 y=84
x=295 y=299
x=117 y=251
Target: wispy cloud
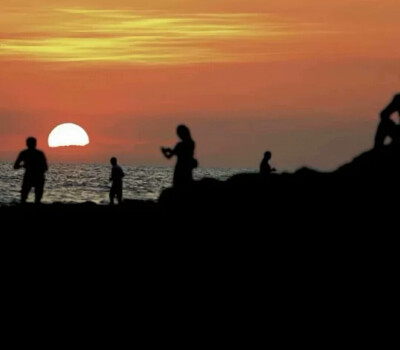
x=148 y=38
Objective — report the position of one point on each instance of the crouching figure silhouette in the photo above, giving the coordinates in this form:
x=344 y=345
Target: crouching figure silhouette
x=265 y=167
x=387 y=127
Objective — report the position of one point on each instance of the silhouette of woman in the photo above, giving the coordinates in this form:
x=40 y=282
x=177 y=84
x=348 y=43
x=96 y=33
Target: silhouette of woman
x=184 y=151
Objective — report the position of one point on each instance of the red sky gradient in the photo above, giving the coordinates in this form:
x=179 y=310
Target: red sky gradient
x=304 y=79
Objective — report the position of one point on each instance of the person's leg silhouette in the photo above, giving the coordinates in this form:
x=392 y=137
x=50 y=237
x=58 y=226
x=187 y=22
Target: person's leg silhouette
x=26 y=188
x=39 y=187
x=112 y=195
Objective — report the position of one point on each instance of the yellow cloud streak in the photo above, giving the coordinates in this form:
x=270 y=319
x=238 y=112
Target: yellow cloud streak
x=83 y=35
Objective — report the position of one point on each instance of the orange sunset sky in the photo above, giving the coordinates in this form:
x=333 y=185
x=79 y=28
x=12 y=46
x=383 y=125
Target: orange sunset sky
x=304 y=79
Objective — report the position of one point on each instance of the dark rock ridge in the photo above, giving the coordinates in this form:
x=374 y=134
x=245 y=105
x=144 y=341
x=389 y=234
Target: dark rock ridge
x=311 y=239
x=367 y=185
x=368 y=179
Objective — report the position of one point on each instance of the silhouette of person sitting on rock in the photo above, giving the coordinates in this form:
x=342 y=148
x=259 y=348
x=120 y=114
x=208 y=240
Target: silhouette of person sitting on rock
x=265 y=167
x=35 y=164
x=387 y=127
x=184 y=151
x=116 y=177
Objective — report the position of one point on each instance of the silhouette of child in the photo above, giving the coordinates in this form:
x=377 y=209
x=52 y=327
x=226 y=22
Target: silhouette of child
x=116 y=177
x=35 y=164
x=184 y=151
x=265 y=167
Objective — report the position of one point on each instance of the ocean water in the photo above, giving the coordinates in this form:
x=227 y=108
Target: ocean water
x=77 y=183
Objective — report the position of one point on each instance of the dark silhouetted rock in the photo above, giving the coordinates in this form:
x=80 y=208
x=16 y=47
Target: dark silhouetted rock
x=356 y=192
x=368 y=180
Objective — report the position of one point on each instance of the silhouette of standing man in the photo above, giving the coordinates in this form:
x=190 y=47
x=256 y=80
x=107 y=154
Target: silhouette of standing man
x=184 y=151
x=387 y=127
x=116 y=177
x=35 y=164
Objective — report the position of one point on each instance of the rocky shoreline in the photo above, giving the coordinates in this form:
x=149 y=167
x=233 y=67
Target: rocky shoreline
x=366 y=183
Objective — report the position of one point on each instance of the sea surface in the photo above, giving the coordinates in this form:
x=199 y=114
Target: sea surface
x=77 y=183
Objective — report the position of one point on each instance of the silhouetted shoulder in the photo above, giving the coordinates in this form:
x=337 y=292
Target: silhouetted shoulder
x=40 y=155
x=24 y=153
x=43 y=160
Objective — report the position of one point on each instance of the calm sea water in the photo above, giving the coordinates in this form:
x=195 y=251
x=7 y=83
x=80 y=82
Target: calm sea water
x=76 y=183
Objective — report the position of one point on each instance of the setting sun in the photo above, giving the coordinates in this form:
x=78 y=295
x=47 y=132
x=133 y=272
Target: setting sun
x=68 y=134
x=306 y=79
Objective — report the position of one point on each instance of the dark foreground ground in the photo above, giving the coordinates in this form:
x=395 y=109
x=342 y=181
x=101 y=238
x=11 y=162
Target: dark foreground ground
x=286 y=220
x=306 y=258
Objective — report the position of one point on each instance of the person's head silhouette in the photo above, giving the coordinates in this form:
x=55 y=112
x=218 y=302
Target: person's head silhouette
x=183 y=133
x=31 y=142
x=113 y=161
x=267 y=155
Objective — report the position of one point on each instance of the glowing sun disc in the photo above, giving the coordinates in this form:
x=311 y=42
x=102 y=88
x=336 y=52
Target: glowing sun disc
x=68 y=134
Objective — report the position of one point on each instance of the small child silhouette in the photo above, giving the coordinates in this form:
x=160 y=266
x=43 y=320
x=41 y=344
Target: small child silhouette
x=265 y=167
x=116 y=177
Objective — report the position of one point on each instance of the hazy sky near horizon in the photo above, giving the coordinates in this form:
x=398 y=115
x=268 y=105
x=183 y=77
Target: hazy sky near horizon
x=304 y=79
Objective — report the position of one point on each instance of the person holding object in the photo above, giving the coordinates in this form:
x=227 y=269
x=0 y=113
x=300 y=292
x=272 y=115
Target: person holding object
x=184 y=151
